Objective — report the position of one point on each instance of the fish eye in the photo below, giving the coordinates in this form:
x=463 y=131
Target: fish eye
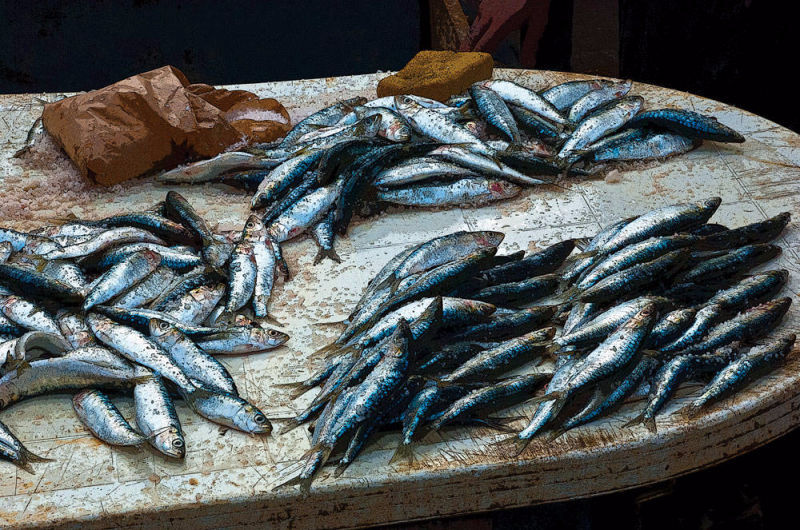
x=177 y=443
x=260 y=419
x=249 y=224
x=272 y=333
x=163 y=325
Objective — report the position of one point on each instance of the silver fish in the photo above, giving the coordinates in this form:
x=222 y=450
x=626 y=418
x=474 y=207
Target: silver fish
x=194 y=362
x=121 y=277
x=241 y=276
x=209 y=170
x=239 y=340
x=195 y=306
x=658 y=145
x=563 y=96
x=157 y=419
x=596 y=98
x=29 y=315
x=233 y=412
x=103 y=241
x=473 y=191
x=484 y=165
x=600 y=123
x=147 y=290
x=103 y=419
x=417 y=169
x=12 y=449
x=305 y=213
x=140 y=349
x=525 y=98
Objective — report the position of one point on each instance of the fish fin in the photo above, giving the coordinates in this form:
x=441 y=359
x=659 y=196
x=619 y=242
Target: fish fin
x=290 y=426
x=582 y=255
x=557 y=395
x=403 y=452
x=322 y=254
x=341 y=467
x=326 y=350
x=655 y=354
x=342 y=322
x=26 y=458
x=388 y=282
x=556 y=434
x=650 y=423
x=271 y=320
x=222 y=430
x=501 y=424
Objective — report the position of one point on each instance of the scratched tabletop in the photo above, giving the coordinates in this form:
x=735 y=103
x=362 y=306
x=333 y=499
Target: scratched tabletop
x=227 y=478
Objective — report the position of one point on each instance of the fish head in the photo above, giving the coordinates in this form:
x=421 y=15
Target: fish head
x=502 y=188
x=170 y=442
x=622 y=87
x=597 y=84
x=268 y=338
x=712 y=203
x=369 y=126
x=546 y=333
x=479 y=308
x=488 y=238
x=253 y=227
x=631 y=104
x=783 y=275
x=217 y=253
x=249 y=419
x=398 y=131
x=404 y=103
x=163 y=331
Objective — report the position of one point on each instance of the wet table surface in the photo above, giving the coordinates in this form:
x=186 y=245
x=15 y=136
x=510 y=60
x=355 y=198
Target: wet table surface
x=227 y=478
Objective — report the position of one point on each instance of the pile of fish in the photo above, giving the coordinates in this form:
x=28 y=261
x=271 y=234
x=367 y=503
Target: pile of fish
x=136 y=303
x=357 y=156
x=451 y=332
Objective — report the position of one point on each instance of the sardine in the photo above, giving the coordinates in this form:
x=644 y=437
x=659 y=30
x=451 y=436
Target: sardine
x=103 y=419
x=122 y=277
x=157 y=419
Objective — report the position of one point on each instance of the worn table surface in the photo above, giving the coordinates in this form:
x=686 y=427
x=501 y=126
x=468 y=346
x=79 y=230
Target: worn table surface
x=226 y=479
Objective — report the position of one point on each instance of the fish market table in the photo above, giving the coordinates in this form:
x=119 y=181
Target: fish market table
x=227 y=478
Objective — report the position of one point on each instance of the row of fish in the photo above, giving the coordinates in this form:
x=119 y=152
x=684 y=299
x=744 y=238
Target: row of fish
x=451 y=332
x=356 y=156
x=135 y=304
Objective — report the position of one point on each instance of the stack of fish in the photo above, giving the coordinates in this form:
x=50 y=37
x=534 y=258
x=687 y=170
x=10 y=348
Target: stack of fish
x=357 y=155
x=136 y=303
x=449 y=331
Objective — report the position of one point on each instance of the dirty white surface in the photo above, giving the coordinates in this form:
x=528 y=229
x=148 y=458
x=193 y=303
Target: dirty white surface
x=226 y=479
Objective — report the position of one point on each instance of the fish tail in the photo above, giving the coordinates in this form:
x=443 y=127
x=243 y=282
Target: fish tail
x=691 y=411
x=341 y=322
x=502 y=424
x=326 y=351
x=650 y=424
x=552 y=396
x=403 y=452
x=635 y=421
x=341 y=467
x=556 y=434
x=290 y=425
x=520 y=444
x=26 y=457
x=329 y=253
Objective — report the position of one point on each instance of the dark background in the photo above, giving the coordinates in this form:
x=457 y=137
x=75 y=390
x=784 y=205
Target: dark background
x=741 y=52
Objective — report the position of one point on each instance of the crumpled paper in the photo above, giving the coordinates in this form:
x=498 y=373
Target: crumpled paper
x=158 y=120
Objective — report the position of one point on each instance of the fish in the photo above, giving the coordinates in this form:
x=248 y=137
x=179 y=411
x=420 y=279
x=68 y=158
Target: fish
x=139 y=319
x=664 y=221
x=138 y=348
x=537 y=126
x=195 y=306
x=323 y=235
x=502 y=357
x=31 y=283
x=113 y=237
x=66 y=272
x=209 y=170
x=655 y=145
x=231 y=411
x=392 y=127
x=667 y=379
x=241 y=276
x=146 y=290
x=595 y=99
x=284 y=176
x=669 y=327
x=486 y=165
x=749 y=325
x=305 y=213
x=635 y=277
x=191 y=359
x=526 y=98
x=419 y=169
x=752 y=290
x=598 y=124
x=265 y=264
x=33 y=344
x=433 y=125
x=687 y=123
x=538 y=263
x=739 y=371
x=573 y=270
x=178 y=258
x=156 y=418
x=634 y=254
x=760 y=232
x=503 y=326
x=523 y=292
x=121 y=277
x=185 y=283
x=325 y=117
x=472 y=191
x=564 y=95
x=103 y=419
x=29 y=315
x=241 y=340
x=58 y=375
x=176 y=206
x=28 y=243
x=494 y=110
x=158 y=225
x=494 y=396
x=730 y=264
